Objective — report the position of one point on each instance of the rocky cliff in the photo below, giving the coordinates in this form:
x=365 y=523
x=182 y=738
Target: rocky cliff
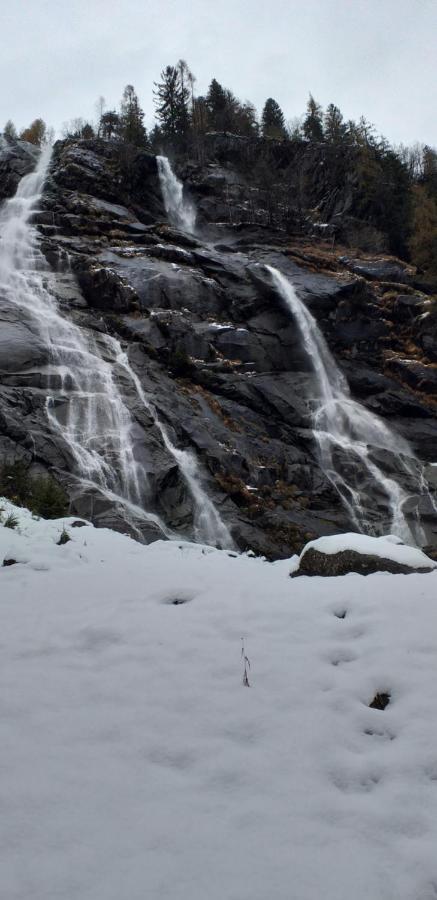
x=215 y=350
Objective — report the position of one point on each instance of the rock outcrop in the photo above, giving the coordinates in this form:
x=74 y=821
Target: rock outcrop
x=214 y=349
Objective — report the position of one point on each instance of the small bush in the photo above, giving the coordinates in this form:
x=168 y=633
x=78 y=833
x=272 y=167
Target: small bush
x=15 y=482
x=64 y=538
x=39 y=493
x=48 y=499
x=11 y=521
x=180 y=363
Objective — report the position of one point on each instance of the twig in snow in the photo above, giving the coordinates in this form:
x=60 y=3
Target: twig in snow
x=246 y=665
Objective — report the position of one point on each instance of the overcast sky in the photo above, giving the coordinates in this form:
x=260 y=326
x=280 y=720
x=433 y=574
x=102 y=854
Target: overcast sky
x=371 y=57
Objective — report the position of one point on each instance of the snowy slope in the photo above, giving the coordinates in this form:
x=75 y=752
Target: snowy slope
x=135 y=764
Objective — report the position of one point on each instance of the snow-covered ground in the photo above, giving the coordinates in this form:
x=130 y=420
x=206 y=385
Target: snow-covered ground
x=136 y=766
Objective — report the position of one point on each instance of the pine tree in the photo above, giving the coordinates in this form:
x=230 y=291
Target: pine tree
x=156 y=139
x=245 y=120
x=335 y=128
x=88 y=132
x=272 y=120
x=172 y=102
x=429 y=165
x=220 y=104
x=313 y=122
x=109 y=126
x=10 y=131
x=132 y=129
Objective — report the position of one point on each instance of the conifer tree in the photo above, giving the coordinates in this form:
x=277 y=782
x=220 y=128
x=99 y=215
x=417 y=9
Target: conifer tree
x=132 y=129
x=88 y=132
x=335 y=128
x=109 y=126
x=313 y=122
x=10 y=131
x=171 y=99
x=245 y=120
x=219 y=103
x=272 y=120
x=429 y=166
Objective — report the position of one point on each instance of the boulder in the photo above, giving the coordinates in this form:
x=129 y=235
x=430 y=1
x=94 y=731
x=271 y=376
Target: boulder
x=392 y=270
x=408 y=306
x=103 y=288
x=356 y=553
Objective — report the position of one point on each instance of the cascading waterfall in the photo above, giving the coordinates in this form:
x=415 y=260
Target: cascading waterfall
x=181 y=212
x=84 y=404
x=349 y=437
x=209 y=528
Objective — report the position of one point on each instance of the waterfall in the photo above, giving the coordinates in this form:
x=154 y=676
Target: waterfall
x=84 y=405
x=209 y=528
x=180 y=211
x=351 y=439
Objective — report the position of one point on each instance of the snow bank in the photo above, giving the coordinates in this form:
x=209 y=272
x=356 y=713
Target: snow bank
x=387 y=547
x=135 y=764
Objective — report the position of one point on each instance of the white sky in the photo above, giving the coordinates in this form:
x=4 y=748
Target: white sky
x=370 y=57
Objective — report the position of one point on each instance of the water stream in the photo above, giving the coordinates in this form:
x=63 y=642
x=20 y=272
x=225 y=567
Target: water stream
x=84 y=404
x=180 y=211
x=351 y=440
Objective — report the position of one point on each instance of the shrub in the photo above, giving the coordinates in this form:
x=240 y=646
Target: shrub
x=180 y=363
x=15 y=482
x=48 y=499
x=11 y=521
x=64 y=538
x=39 y=493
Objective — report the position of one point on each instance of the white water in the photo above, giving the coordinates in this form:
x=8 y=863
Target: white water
x=84 y=404
x=348 y=435
x=208 y=525
x=181 y=212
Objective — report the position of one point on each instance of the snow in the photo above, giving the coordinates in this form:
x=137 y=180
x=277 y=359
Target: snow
x=136 y=766
x=387 y=547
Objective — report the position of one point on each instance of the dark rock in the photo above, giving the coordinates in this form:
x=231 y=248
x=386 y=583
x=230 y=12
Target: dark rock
x=420 y=376
x=314 y=562
x=8 y=561
x=408 y=306
x=380 y=701
x=17 y=158
x=425 y=330
x=105 y=289
x=21 y=345
x=379 y=269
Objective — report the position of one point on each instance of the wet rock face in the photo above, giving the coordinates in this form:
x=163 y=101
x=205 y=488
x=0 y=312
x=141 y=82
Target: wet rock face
x=17 y=158
x=215 y=350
